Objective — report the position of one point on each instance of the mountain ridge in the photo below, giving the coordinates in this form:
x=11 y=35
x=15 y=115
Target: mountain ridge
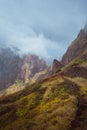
x=78 y=46
x=58 y=102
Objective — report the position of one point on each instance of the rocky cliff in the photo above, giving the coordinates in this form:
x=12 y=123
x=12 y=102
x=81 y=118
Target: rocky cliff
x=58 y=102
x=32 y=64
x=14 y=68
x=56 y=66
x=78 y=46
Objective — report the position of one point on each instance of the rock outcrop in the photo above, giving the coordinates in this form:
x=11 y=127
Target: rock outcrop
x=78 y=46
x=13 y=67
x=32 y=64
x=10 y=63
x=56 y=66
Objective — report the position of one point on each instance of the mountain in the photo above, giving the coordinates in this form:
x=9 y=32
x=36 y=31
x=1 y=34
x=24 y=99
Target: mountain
x=76 y=72
x=85 y=28
x=32 y=64
x=56 y=66
x=78 y=46
x=77 y=67
x=50 y=104
x=27 y=69
x=14 y=67
x=58 y=102
x=10 y=63
x=32 y=70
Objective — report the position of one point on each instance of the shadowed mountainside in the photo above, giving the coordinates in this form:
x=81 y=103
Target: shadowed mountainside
x=10 y=63
x=14 y=68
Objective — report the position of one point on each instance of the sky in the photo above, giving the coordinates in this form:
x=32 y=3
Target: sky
x=42 y=27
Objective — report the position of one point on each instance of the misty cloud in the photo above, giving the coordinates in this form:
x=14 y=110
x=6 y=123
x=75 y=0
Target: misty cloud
x=40 y=27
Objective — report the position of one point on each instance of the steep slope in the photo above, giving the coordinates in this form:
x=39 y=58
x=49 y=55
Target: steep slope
x=56 y=66
x=76 y=71
x=10 y=63
x=17 y=86
x=77 y=67
x=39 y=76
x=80 y=121
x=78 y=46
x=32 y=64
x=50 y=104
x=55 y=103
x=14 y=68
x=32 y=70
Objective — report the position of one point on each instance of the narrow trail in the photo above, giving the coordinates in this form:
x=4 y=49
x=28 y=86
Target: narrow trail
x=80 y=122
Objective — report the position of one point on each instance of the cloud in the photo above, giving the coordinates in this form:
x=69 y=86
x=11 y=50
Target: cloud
x=45 y=28
x=28 y=41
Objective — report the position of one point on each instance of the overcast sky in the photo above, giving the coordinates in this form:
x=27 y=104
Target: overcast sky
x=42 y=27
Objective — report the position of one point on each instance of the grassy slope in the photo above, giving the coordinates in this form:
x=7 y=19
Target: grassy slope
x=17 y=86
x=76 y=72
x=77 y=67
x=50 y=104
x=56 y=103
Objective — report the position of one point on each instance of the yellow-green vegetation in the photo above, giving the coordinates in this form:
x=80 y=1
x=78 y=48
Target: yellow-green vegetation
x=80 y=119
x=80 y=61
x=38 y=76
x=82 y=83
x=50 y=104
x=2 y=92
x=84 y=64
x=17 y=86
x=75 y=62
x=47 y=105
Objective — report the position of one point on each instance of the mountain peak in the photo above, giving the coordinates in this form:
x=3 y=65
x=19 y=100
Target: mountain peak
x=78 y=46
x=82 y=33
x=56 y=66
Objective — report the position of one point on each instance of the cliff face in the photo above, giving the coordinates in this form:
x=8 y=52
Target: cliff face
x=56 y=66
x=77 y=68
x=13 y=67
x=58 y=102
x=78 y=46
x=32 y=64
x=10 y=63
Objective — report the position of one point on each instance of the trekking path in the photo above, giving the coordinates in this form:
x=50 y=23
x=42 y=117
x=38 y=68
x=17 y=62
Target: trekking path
x=80 y=122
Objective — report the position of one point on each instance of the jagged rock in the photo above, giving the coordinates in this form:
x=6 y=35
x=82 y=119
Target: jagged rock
x=13 y=67
x=32 y=64
x=10 y=63
x=77 y=68
x=78 y=46
x=56 y=66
